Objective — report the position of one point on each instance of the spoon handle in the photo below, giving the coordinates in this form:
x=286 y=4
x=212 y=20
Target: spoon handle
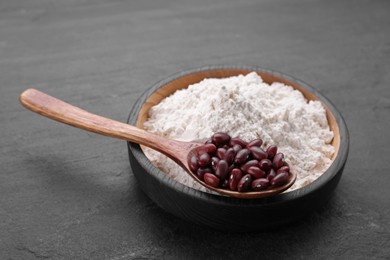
x=61 y=111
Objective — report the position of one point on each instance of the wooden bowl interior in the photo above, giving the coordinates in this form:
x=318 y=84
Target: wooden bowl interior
x=186 y=80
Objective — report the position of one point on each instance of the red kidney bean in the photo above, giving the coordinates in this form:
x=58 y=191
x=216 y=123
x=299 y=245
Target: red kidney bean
x=237 y=148
x=232 y=163
x=221 y=153
x=214 y=162
x=271 y=174
x=207 y=148
x=193 y=163
x=201 y=172
x=235 y=177
x=248 y=164
x=256 y=172
x=222 y=169
x=244 y=183
x=211 y=179
x=255 y=142
x=204 y=159
x=280 y=179
x=220 y=138
x=260 y=184
x=229 y=155
x=258 y=153
x=242 y=156
x=237 y=140
x=283 y=169
x=278 y=161
x=265 y=164
x=271 y=151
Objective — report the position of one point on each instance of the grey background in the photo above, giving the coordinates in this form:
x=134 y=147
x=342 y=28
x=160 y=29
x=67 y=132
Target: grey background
x=69 y=194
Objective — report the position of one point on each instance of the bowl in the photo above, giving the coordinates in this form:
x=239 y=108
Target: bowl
x=226 y=213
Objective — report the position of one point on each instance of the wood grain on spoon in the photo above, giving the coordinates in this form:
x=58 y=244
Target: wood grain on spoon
x=178 y=151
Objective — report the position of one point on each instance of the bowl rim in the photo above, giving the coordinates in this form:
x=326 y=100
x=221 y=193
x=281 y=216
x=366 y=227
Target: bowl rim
x=336 y=166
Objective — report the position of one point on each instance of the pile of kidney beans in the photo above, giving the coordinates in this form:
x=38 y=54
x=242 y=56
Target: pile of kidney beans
x=231 y=163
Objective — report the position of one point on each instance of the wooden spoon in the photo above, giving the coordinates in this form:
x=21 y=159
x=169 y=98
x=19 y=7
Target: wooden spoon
x=178 y=151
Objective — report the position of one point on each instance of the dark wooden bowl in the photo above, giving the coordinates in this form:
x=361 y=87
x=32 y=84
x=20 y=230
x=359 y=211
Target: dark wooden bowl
x=232 y=213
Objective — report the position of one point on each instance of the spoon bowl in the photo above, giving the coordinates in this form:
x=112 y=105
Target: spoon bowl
x=178 y=151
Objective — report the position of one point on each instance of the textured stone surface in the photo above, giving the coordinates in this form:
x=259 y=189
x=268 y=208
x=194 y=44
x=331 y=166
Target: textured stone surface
x=65 y=193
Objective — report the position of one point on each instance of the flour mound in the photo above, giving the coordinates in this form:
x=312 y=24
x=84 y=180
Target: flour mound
x=247 y=107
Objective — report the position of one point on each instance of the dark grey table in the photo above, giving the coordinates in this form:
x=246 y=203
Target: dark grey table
x=69 y=194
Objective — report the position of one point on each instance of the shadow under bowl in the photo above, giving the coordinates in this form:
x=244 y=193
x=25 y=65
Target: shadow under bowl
x=226 y=213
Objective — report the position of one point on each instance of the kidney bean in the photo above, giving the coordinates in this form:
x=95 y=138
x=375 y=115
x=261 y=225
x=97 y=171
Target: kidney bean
x=258 y=153
x=221 y=153
x=220 y=138
x=237 y=148
x=207 y=148
x=222 y=169
x=193 y=163
x=280 y=179
x=235 y=177
x=248 y=164
x=201 y=172
x=256 y=172
x=271 y=174
x=278 y=161
x=244 y=183
x=204 y=159
x=260 y=184
x=232 y=163
x=242 y=156
x=214 y=162
x=265 y=164
x=211 y=179
x=229 y=155
x=255 y=142
x=237 y=140
x=283 y=169
x=271 y=151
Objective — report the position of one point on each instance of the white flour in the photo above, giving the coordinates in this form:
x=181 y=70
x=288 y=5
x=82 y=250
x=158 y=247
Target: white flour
x=247 y=107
